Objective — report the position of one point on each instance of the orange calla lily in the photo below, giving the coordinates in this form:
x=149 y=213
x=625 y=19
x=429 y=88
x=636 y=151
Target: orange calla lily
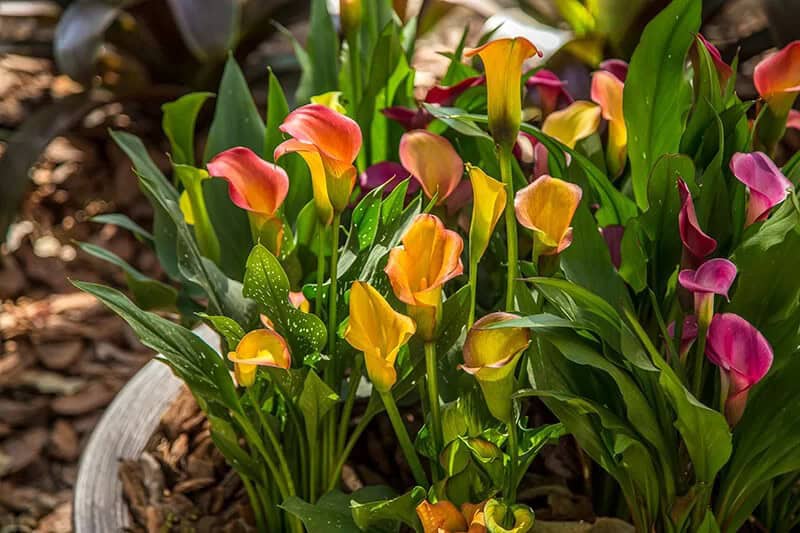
x=329 y=142
x=547 y=206
x=253 y=184
x=432 y=161
x=489 y=200
x=502 y=60
x=573 y=123
x=607 y=91
x=260 y=347
x=430 y=256
x=444 y=517
x=777 y=78
x=377 y=330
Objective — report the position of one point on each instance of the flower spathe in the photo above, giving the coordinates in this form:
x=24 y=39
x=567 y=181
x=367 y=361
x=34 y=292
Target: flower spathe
x=329 y=142
x=617 y=67
x=489 y=200
x=777 y=78
x=377 y=330
x=547 y=206
x=688 y=335
x=724 y=70
x=386 y=174
x=502 y=61
x=696 y=243
x=715 y=276
x=253 y=184
x=444 y=517
x=432 y=161
x=607 y=91
x=573 y=123
x=429 y=256
x=766 y=184
x=260 y=347
x=495 y=513
x=550 y=90
x=331 y=100
x=420 y=118
x=743 y=355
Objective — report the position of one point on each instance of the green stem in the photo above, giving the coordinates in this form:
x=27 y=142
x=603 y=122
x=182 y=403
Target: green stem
x=313 y=469
x=255 y=503
x=320 y=273
x=432 y=380
x=254 y=440
x=473 y=291
x=345 y=453
x=273 y=439
x=405 y=441
x=513 y=451
x=332 y=324
x=504 y=156
x=203 y=229
x=352 y=388
x=699 y=356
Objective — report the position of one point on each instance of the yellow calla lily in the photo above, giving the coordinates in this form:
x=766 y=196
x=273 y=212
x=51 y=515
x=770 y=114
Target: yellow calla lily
x=331 y=100
x=607 y=92
x=260 y=347
x=377 y=330
x=573 y=123
x=547 y=206
x=489 y=200
x=502 y=60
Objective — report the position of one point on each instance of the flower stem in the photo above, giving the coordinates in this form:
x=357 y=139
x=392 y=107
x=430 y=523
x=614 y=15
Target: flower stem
x=332 y=323
x=352 y=388
x=699 y=356
x=432 y=380
x=405 y=441
x=320 y=273
x=345 y=453
x=473 y=291
x=504 y=156
x=513 y=452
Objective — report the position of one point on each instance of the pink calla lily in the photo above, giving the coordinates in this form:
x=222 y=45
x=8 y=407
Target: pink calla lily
x=715 y=276
x=766 y=184
x=550 y=90
x=743 y=355
x=724 y=70
x=688 y=335
x=617 y=67
x=696 y=243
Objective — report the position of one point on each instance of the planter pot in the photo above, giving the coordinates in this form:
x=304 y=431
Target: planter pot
x=123 y=433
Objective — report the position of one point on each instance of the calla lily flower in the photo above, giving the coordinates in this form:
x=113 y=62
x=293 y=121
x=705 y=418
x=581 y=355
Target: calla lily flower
x=410 y=119
x=695 y=242
x=331 y=100
x=432 y=161
x=551 y=91
x=329 y=142
x=495 y=515
x=617 y=67
x=350 y=15
x=547 y=206
x=613 y=236
x=724 y=70
x=389 y=175
x=715 y=276
x=524 y=148
x=430 y=255
x=777 y=78
x=502 y=60
x=688 y=335
x=489 y=202
x=607 y=92
x=766 y=184
x=446 y=96
x=420 y=118
x=253 y=184
x=743 y=355
x=260 y=347
x=444 y=517
x=299 y=300
x=491 y=355
x=377 y=330
x=793 y=120
x=573 y=123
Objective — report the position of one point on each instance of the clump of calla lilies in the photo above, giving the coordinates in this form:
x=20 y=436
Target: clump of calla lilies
x=451 y=258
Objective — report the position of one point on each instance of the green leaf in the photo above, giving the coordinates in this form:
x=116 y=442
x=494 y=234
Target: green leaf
x=266 y=283
x=230 y=330
x=125 y=222
x=657 y=93
x=178 y=123
x=316 y=399
x=332 y=510
x=366 y=219
x=633 y=268
x=194 y=361
x=321 y=61
x=277 y=110
x=386 y=512
x=147 y=292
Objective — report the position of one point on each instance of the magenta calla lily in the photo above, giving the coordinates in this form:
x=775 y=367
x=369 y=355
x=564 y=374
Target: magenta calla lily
x=446 y=96
x=617 y=67
x=766 y=184
x=723 y=69
x=550 y=89
x=388 y=174
x=688 y=335
x=420 y=118
x=743 y=355
x=696 y=242
x=715 y=276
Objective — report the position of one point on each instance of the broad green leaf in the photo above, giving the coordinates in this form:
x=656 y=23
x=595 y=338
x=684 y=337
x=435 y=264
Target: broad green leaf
x=125 y=222
x=320 y=59
x=657 y=93
x=230 y=330
x=178 y=123
x=265 y=282
x=402 y=509
x=366 y=218
x=332 y=510
x=316 y=399
x=633 y=268
x=227 y=441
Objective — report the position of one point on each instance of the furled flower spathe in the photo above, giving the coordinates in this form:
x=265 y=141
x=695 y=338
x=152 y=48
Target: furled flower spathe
x=253 y=184
x=766 y=184
x=377 y=330
x=550 y=90
x=502 y=60
x=573 y=123
x=607 y=91
x=495 y=513
x=724 y=70
x=697 y=245
x=777 y=78
x=444 y=517
x=489 y=200
x=715 y=276
x=547 y=206
x=260 y=347
x=432 y=161
x=430 y=255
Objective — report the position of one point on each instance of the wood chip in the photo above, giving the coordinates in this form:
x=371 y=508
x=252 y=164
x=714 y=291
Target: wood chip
x=23 y=413
x=22 y=449
x=193 y=484
x=94 y=396
x=50 y=382
x=60 y=355
x=64 y=444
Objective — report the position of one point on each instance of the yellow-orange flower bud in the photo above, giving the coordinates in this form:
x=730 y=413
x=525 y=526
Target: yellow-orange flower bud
x=260 y=347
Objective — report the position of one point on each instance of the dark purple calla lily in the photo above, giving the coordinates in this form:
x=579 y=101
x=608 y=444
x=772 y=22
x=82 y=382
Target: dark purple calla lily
x=386 y=173
x=743 y=355
x=766 y=184
x=723 y=69
x=715 y=276
x=613 y=237
x=420 y=118
x=446 y=96
x=550 y=89
x=697 y=244
x=688 y=335
x=617 y=67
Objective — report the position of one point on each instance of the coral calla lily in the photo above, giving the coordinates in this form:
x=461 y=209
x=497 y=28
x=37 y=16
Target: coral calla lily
x=743 y=355
x=489 y=200
x=777 y=78
x=502 y=60
x=329 y=142
x=695 y=242
x=377 y=330
x=550 y=89
x=430 y=255
x=766 y=184
x=253 y=184
x=432 y=161
x=607 y=92
x=573 y=123
x=547 y=206
x=715 y=276
x=260 y=347
x=491 y=355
